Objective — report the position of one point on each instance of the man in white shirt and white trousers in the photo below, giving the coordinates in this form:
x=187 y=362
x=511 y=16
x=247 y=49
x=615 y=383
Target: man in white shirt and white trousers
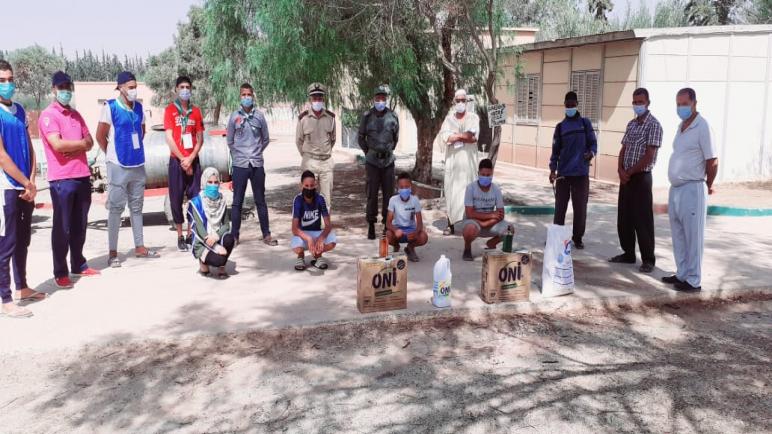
x=692 y=169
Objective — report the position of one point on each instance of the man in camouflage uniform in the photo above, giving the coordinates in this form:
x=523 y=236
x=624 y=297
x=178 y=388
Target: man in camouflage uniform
x=378 y=135
x=315 y=137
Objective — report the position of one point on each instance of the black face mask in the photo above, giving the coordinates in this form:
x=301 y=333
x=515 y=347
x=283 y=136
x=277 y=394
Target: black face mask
x=309 y=192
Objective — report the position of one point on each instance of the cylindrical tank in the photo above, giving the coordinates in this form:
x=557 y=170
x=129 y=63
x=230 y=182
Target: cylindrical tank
x=213 y=153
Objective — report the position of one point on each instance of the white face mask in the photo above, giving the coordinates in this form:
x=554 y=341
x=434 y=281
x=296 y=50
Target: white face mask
x=131 y=94
x=460 y=107
x=317 y=106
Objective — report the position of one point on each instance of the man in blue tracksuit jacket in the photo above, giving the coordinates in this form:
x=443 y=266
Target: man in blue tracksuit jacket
x=573 y=147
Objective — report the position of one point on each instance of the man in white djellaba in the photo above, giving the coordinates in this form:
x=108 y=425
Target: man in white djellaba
x=459 y=133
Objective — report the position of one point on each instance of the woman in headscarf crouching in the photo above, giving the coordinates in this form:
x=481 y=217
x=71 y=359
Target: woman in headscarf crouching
x=210 y=225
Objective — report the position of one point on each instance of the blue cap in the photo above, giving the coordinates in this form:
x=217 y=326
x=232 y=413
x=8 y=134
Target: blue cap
x=124 y=77
x=60 y=78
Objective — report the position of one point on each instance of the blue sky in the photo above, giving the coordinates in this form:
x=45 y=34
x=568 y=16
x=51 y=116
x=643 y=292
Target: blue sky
x=133 y=27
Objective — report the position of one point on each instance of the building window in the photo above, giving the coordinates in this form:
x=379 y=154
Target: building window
x=528 y=98
x=586 y=84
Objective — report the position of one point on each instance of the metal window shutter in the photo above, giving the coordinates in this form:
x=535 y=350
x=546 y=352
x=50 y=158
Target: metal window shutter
x=592 y=96
x=533 y=101
x=522 y=98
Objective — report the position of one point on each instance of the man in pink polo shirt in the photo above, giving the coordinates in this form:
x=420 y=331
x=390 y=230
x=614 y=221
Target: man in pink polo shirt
x=66 y=140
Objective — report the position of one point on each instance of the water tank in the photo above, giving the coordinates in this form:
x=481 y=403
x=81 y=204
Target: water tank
x=213 y=153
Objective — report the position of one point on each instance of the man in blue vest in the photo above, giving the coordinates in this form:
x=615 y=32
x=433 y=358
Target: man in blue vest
x=17 y=182
x=573 y=147
x=120 y=133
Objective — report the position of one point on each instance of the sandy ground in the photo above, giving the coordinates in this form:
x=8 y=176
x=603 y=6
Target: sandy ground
x=152 y=347
x=681 y=368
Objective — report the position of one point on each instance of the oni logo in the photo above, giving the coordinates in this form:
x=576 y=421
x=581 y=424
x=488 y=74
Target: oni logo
x=385 y=280
x=510 y=272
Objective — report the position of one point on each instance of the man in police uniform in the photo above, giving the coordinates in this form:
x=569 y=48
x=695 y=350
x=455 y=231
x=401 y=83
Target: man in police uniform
x=315 y=137
x=378 y=135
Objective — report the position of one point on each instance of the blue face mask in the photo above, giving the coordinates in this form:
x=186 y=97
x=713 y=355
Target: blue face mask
x=246 y=101
x=380 y=105
x=64 y=96
x=639 y=109
x=185 y=94
x=212 y=191
x=485 y=181
x=7 y=90
x=684 y=111
x=571 y=112
x=404 y=193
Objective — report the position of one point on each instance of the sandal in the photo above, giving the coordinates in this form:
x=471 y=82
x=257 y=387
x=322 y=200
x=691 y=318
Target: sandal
x=17 y=312
x=270 y=241
x=411 y=254
x=300 y=264
x=320 y=263
x=35 y=296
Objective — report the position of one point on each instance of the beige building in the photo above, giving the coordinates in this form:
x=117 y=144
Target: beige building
x=730 y=67
x=90 y=96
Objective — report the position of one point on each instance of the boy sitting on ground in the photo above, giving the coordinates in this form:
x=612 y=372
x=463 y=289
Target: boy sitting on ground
x=484 y=211
x=308 y=212
x=404 y=222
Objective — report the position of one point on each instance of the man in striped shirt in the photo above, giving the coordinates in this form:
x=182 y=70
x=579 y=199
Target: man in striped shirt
x=635 y=217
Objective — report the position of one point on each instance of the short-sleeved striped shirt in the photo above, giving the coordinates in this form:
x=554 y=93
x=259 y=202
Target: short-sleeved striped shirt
x=638 y=136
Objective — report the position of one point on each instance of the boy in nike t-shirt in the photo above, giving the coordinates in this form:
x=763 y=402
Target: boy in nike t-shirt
x=308 y=211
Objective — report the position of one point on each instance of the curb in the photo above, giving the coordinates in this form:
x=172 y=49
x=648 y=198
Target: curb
x=548 y=306
x=713 y=210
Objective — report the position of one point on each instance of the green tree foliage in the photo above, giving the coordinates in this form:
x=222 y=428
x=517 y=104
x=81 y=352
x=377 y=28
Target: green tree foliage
x=186 y=57
x=86 y=66
x=422 y=49
x=32 y=68
x=712 y=12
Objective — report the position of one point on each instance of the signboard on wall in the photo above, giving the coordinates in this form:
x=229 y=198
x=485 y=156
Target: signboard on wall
x=497 y=115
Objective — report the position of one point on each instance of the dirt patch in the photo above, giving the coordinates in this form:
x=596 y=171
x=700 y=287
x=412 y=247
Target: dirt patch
x=681 y=367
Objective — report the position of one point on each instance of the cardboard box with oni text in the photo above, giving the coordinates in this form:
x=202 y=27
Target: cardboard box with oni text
x=382 y=283
x=505 y=276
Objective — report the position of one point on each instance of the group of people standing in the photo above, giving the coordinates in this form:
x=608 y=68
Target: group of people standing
x=692 y=169
x=475 y=205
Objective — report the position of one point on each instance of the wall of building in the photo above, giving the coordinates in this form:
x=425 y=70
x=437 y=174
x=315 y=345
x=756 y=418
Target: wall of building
x=89 y=96
x=732 y=75
x=530 y=142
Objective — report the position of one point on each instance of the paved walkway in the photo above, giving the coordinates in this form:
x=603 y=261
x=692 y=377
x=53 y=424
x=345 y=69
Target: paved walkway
x=165 y=298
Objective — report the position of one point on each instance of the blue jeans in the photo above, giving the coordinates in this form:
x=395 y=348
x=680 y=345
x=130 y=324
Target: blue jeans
x=255 y=176
x=71 y=199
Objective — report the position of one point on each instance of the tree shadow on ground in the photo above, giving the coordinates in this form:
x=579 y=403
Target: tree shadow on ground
x=669 y=369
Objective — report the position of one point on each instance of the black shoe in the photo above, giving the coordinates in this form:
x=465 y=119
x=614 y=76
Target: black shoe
x=181 y=245
x=371 y=231
x=646 y=268
x=622 y=259
x=686 y=287
x=468 y=255
x=189 y=240
x=579 y=245
x=671 y=279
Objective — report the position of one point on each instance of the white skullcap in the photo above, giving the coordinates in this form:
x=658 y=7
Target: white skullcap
x=460 y=92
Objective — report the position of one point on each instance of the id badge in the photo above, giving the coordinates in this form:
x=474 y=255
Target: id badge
x=458 y=145
x=135 y=141
x=187 y=141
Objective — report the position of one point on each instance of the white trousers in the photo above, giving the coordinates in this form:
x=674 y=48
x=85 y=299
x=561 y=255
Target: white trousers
x=688 y=210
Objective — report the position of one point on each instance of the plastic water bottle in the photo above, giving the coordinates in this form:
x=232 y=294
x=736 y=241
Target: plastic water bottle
x=442 y=282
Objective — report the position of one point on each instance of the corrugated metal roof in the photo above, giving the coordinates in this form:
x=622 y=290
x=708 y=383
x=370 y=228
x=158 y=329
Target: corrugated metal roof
x=642 y=34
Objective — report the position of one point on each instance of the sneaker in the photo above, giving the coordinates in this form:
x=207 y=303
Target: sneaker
x=182 y=246
x=579 y=245
x=63 y=282
x=371 y=231
x=88 y=272
x=113 y=262
x=468 y=255
x=646 y=268
x=189 y=240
